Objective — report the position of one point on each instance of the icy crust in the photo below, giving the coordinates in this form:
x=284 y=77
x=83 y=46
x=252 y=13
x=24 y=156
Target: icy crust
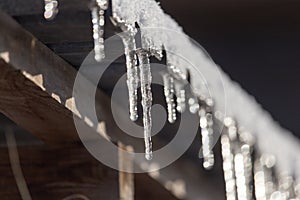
x=159 y=29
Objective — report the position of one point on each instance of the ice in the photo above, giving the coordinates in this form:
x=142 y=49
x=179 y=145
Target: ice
x=228 y=167
x=98 y=20
x=51 y=9
x=264 y=179
x=243 y=172
x=180 y=97
x=145 y=79
x=193 y=105
x=170 y=95
x=128 y=38
x=206 y=124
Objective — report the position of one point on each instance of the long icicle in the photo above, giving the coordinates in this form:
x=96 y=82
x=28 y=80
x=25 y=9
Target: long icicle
x=227 y=147
x=98 y=20
x=264 y=182
x=169 y=95
x=146 y=79
x=228 y=167
x=128 y=34
x=206 y=124
x=180 y=97
x=286 y=186
x=243 y=172
x=240 y=176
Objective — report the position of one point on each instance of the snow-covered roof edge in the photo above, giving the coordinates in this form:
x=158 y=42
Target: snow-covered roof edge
x=228 y=95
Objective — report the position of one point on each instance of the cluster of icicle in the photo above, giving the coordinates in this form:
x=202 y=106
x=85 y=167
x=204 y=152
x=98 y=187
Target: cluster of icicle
x=240 y=105
x=247 y=173
x=98 y=8
x=139 y=73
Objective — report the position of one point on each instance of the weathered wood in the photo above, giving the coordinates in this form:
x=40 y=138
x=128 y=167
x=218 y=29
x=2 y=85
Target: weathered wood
x=38 y=117
x=126 y=181
x=55 y=172
x=150 y=190
x=60 y=171
x=35 y=78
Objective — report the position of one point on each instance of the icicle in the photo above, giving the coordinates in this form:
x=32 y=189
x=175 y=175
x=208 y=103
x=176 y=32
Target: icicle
x=169 y=95
x=230 y=158
x=98 y=19
x=241 y=144
x=286 y=186
x=176 y=72
x=243 y=172
x=297 y=189
x=206 y=124
x=51 y=9
x=128 y=38
x=145 y=79
x=156 y=52
x=245 y=167
x=228 y=167
x=264 y=179
x=193 y=105
x=180 y=97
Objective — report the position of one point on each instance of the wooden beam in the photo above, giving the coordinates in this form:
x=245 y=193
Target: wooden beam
x=126 y=180
x=55 y=172
x=40 y=85
x=60 y=171
x=39 y=117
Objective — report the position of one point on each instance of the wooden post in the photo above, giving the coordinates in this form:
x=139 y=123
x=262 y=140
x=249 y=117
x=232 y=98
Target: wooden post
x=126 y=179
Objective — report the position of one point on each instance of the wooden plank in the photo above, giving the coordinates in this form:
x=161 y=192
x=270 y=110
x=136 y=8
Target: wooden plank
x=150 y=190
x=39 y=116
x=37 y=86
x=126 y=180
x=56 y=172
x=60 y=171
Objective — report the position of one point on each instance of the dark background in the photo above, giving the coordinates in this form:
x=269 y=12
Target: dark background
x=257 y=42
